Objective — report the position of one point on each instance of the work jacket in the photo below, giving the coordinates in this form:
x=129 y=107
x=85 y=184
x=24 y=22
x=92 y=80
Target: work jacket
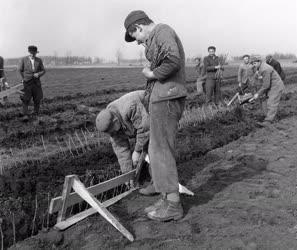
x=165 y=52
x=268 y=78
x=245 y=73
x=209 y=64
x=26 y=69
x=134 y=124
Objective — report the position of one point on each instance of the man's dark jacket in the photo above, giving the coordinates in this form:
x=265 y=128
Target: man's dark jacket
x=277 y=67
x=209 y=64
x=27 y=72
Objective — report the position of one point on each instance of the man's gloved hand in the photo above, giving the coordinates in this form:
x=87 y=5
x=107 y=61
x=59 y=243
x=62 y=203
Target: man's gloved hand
x=36 y=75
x=135 y=158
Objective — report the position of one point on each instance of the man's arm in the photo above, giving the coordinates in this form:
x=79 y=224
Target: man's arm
x=21 y=68
x=41 y=70
x=140 y=121
x=266 y=82
x=239 y=77
x=171 y=61
x=121 y=147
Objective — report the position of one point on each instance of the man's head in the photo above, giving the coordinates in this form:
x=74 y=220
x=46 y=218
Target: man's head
x=268 y=58
x=136 y=25
x=246 y=59
x=256 y=61
x=107 y=122
x=211 y=50
x=32 y=51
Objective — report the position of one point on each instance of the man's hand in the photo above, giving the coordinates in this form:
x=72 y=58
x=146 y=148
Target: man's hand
x=135 y=158
x=36 y=75
x=240 y=85
x=148 y=73
x=218 y=67
x=256 y=96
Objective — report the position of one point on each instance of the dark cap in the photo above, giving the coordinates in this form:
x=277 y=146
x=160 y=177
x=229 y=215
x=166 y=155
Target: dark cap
x=32 y=48
x=131 y=19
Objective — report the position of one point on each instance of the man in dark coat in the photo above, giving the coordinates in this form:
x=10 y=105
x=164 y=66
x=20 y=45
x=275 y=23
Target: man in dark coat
x=31 y=69
x=165 y=98
x=276 y=65
x=212 y=85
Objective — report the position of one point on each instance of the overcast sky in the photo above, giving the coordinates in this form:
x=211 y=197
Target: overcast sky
x=95 y=27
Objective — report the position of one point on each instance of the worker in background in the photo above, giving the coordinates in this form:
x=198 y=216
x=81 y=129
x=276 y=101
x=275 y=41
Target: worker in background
x=212 y=85
x=31 y=69
x=245 y=73
x=271 y=88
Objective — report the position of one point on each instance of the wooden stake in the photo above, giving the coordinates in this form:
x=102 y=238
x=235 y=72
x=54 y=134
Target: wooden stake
x=65 y=193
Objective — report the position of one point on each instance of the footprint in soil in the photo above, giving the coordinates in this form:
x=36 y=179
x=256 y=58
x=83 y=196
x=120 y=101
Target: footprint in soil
x=245 y=166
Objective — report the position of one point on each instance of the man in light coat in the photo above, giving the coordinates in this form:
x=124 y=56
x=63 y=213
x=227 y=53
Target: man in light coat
x=271 y=88
x=123 y=119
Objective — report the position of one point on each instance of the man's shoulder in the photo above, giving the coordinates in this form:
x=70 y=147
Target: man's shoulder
x=266 y=67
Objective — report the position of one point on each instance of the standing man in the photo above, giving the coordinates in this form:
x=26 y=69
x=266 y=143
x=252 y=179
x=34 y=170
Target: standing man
x=271 y=88
x=245 y=73
x=165 y=98
x=276 y=65
x=212 y=85
x=123 y=119
x=31 y=69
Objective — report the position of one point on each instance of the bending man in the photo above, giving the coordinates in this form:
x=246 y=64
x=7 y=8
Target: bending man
x=123 y=119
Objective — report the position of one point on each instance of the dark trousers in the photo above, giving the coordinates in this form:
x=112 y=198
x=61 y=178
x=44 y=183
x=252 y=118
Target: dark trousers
x=32 y=89
x=164 y=117
x=213 y=87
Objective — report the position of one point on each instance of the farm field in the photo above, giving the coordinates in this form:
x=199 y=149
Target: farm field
x=242 y=175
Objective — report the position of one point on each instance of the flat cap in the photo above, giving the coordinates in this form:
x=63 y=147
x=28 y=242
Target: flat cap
x=131 y=19
x=103 y=120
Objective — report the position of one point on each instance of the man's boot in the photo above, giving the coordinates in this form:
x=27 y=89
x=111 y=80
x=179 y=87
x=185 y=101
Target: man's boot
x=160 y=203
x=148 y=190
x=170 y=210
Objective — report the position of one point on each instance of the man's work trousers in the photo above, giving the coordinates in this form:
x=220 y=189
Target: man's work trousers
x=164 y=117
x=32 y=89
x=212 y=87
x=270 y=104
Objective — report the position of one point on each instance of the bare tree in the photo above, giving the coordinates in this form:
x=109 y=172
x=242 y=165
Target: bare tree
x=119 y=56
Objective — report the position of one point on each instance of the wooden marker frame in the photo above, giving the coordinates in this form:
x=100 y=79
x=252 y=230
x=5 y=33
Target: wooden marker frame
x=61 y=203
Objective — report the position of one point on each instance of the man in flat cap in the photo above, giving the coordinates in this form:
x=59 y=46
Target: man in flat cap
x=212 y=85
x=165 y=99
x=245 y=73
x=271 y=88
x=123 y=119
x=276 y=65
x=31 y=69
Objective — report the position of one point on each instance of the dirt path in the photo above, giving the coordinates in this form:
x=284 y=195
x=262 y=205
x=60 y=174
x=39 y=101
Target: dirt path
x=245 y=199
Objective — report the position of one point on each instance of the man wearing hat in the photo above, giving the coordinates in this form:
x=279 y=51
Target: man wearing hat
x=123 y=119
x=276 y=65
x=165 y=99
x=31 y=69
x=271 y=88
